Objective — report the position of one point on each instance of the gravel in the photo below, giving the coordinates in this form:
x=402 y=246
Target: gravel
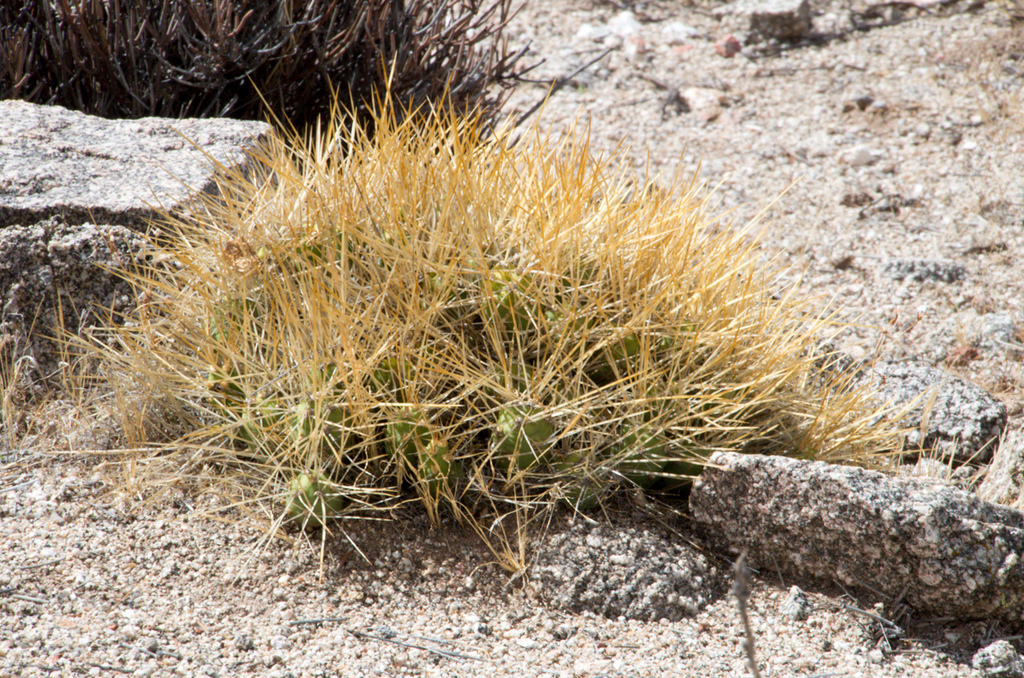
x=916 y=245
x=899 y=142
x=93 y=582
x=619 y=571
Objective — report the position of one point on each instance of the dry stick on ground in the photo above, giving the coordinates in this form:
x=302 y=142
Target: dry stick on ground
x=887 y=626
x=741 y=589
x=313 y=622
x=443 y=653
x=557 y=84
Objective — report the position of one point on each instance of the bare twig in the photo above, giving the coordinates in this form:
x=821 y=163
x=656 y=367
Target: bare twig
x=44 y=563
x=323 y=620
x=107 y=667
x=559 y=83
x=657 y=83
x=19 y=486
x=143 y=650
x=871 y=615
x=40 y=667
x=29 y=599
x=443 y=653
x=741 y=589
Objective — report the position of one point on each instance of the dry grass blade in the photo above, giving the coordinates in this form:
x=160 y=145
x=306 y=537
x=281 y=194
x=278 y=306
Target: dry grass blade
x=489 y=328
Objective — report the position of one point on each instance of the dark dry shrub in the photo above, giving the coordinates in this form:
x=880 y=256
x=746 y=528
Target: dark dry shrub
x=250 y=59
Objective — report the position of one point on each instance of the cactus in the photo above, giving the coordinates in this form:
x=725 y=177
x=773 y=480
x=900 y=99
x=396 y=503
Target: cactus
x=312 y=500
x=478 y=322
x=642 y=455
x=522 y=438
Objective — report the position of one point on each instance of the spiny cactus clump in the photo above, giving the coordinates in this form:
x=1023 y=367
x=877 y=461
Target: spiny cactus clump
x=489 y=327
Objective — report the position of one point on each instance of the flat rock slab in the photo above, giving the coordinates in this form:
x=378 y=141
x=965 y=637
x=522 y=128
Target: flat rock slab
x=945 y=551
x=81 y=168
x=621 y=571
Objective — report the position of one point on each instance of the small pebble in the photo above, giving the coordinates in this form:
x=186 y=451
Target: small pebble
x=796 y=606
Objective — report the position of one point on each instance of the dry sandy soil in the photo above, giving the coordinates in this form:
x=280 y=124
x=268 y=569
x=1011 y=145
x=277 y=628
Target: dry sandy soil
x=896 y=133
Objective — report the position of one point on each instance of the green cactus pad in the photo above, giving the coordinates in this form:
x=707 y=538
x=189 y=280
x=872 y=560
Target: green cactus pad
x=391 y=379
x=611 y=363
x=581 y=497
x=262 y=418
x=312 y=501
x=521 y=439
x=578 y=491
x=225 y=385
x=405 y=436
x=331 y=424
x=437 y=469
x=677 y=475
x=507 y=302
x=645 y=454
x=411 y=441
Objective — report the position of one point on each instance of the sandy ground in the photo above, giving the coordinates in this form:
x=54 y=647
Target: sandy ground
x=898 y=141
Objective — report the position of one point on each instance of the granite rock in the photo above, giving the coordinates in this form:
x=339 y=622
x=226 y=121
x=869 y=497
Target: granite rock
x=950 y=416
x=1004 y=479
x=784 y=20
x=920 y=270
x=944 y=551
x=796 y=606
x=56 y=278
x=82 y=168
x=998 y=660
x=76 y=194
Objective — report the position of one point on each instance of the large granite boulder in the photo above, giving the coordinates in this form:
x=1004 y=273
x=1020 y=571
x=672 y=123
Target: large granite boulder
x=81 y=168
x=945 y=551
x=76 y=193
x=56 y=277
